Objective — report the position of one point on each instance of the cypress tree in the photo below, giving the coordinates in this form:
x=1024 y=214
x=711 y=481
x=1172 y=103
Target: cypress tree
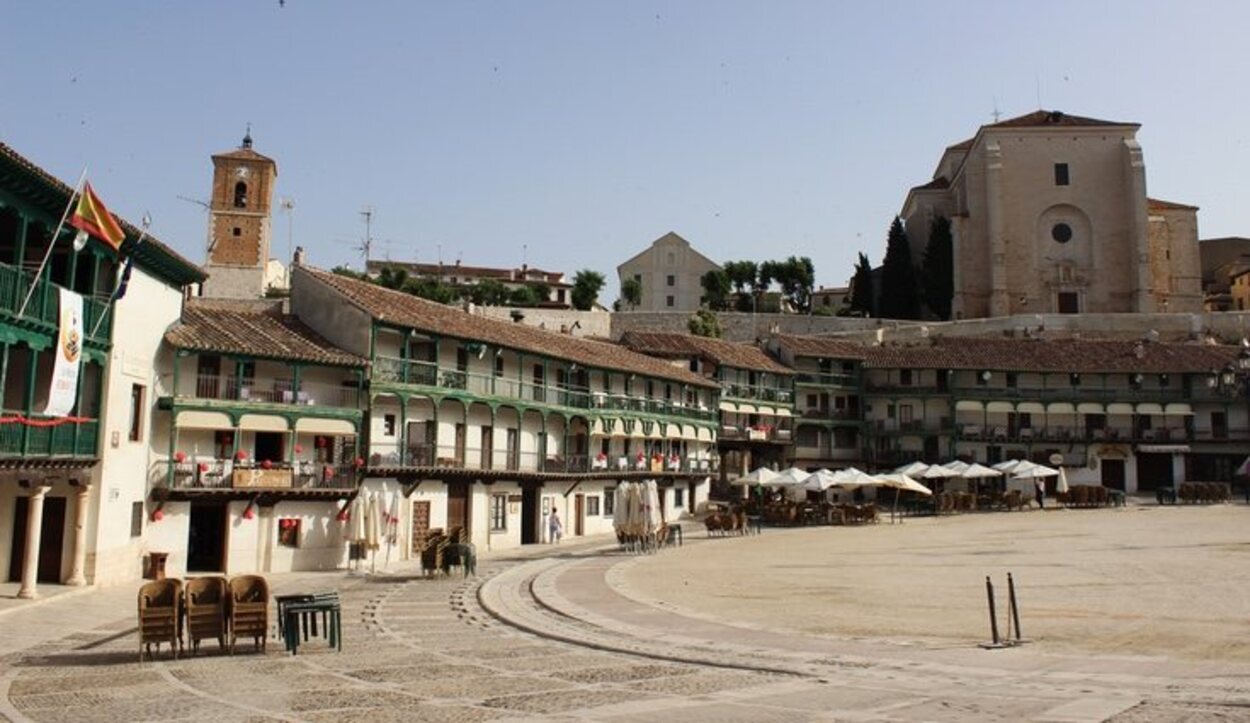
x=899 y=298
x=939 y=269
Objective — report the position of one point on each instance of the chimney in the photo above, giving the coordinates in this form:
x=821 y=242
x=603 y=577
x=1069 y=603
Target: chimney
x=298 y=258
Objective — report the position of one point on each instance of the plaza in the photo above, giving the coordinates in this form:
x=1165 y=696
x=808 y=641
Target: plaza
x=787 y=625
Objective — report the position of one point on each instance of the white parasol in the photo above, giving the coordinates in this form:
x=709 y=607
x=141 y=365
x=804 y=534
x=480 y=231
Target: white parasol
x=852 y=478
x=915 y=469
x=392 y=526
x=978 y=471
x=620 y=507
x=957 y=465
x=937 y=471
x=1062 y=485
x=901 y=482
x=792 y=477
x=654 y=515
x=373 y=529
x=820 y=480
x=1008 y=465
x=761 y=476
x=1032 y=470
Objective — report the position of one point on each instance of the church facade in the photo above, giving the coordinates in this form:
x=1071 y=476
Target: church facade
x=1049 y=214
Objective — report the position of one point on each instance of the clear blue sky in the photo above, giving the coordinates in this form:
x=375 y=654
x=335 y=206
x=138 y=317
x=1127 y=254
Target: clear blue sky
x=586 y=129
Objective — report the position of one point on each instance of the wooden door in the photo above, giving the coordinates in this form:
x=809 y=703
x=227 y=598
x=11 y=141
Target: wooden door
x=50 y=539
x=457 y=505
x=420 y=525
x=579 y=515
x=460 y=439
x=488 y=448
x=1112 y=473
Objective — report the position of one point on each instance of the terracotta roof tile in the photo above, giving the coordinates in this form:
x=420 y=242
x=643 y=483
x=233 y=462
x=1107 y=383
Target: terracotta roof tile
x=407 y=310
x=1055 y=355
x=245 y=154
x=819 y=346
x=1052 y=118
x=1155 y=204
x=726 y=353
x=253 y=329
x=936 y=184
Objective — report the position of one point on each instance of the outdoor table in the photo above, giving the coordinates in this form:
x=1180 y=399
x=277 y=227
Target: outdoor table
x=298 y=617
x=1116 y=497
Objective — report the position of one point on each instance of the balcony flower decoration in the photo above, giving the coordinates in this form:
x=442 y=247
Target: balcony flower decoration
x=180 y=457
x=299 y=449
x=640 y=460
x=342 y=515
x=359 y=462
x=203 y=467
x=240 y=455
x=327 y=473
x=266 y=464
x=674 y=461
x=601 y=461
x=158 y=514
x=249 y=512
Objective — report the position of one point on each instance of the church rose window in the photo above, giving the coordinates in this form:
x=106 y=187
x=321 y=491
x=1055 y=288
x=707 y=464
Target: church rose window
x=1061 y=232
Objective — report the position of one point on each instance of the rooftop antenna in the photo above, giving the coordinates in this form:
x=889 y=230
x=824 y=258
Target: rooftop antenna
x=1037 y=82
x=996 y=115
x=525 y=250
x=367 y=246
x=208 y=226
x=440 y=253
x=287 y=204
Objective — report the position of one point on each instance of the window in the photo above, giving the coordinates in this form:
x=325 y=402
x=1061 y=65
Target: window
x=609 y=501
x=679 y=498
x=136 y=412
x=592 y=506
x=808 y=436
x=498 y=366
x=288 y=532
x=1061 y=174
x=671 y=280
x=1061 y=232
x=811 y=401
x=1164 y=380
x=668 y=301
x=388 y=425
x=136 y=519
x=498 y=513
x=904 y=377
x=889 y=411
x=1026 y=420
x=904 y=414
x=1074 y=379
x=240 y=195
x=237 y=231
x=1011 y=380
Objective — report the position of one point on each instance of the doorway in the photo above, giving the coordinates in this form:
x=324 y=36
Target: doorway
x=420 y=526
x=206 y=537
x=530 y=520
x=268 y=446
x=458 y=507
x=51 y=539
x=1153 y=471
x=1112 y=473
x=1069 y=302
x=579 y=515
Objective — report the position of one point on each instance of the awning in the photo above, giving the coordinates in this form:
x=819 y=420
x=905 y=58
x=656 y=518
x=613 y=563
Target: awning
x=780 y=412
x=1149 y=408
x=747 y=409
x=999 y=407
x=705 y=434
x=1030 y=408
x=1090 y=408
x=1119 y=408
x=203 y=420
x=1060 y=408
x=968 y=405
x=728 y=407
x=1163 y=448
x=313 y=425
x=1178 y=409
x=262 y=423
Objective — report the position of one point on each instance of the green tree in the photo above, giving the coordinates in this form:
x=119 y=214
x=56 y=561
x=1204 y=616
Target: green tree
x=742 y=275
x=716 y=287
x=899 y=298
x=392 y=277
x=796 y=276
x=346 y=271
x=861 y=288
x=586 y=287
x=428 y=287
x=631 y=293
x=488 y=292
x=704 y=323
x=523 y=296
x=938 y=271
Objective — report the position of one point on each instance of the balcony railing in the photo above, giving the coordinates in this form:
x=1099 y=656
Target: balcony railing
x=62 y=440
x=276 y=391
x=224 y=474
x=912 y=426
x=778 y=395
x=844 y=381
x=1075 y=394
x=836 y=415
x=755 y=434
x=471 y=458
x=1157 y=435
x=400 y=371
x=44 y=304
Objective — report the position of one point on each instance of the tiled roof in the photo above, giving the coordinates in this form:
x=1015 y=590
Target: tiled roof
x=726 y=353
x=254 y=329
x=824 y=347
x=961 y=146
x=1052 y=118
x=407 y=310
x=152 y=248
x=1155 y=204
x=245 y=154
x=552 y=278
x=1054 y=355
x=1025 y=355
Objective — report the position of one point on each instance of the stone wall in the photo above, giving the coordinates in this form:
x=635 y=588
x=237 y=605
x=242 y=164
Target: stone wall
x=739 y=326
x=570 y=321
x=1229 y=327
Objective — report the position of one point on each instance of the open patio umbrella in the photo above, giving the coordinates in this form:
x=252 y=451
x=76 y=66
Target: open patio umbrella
x=979 y=471
x=1062 y=485
x=373 y=529
x=392 y=526
x=820 y=480
x=915 y=469
x=761 y=476
x=852 y=478
x=792 y=477
x=957 y=465
x=1032 y=470
x=901 y=482
x=1007 y=465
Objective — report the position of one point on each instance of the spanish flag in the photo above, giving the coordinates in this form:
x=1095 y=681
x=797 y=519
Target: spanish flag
x=92 y=217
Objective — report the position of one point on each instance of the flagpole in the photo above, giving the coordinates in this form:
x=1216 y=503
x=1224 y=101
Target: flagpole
x=52 y=241
x=117 y=285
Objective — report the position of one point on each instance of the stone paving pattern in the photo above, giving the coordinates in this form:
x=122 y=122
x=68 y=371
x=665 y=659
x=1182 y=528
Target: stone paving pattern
x=552 y=639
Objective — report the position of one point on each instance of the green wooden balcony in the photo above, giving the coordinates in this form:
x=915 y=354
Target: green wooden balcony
x=43 y=309
x=77 y=441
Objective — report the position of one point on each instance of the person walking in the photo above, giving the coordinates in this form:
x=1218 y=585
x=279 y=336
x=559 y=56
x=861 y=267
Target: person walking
x=1040 y=487
x=555 y=529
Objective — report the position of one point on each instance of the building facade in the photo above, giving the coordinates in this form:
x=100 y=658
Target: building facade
x=670 y=272
x=1049 y=214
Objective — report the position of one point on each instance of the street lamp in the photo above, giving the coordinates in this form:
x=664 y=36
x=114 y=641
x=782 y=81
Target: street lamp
x=1234 y=378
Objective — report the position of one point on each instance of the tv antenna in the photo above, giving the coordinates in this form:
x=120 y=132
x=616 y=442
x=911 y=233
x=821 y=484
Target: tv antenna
x=287 y=204
x=208 y=225
x=366 y=246
x=996 y=114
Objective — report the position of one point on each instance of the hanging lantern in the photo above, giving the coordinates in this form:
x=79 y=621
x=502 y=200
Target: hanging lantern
x=249 y=512
x=240 y=455
x=203 y=467
x=359 y=462
x=158 y=514
x=266 y=465
x=342 y=515
x=180 y=457
x=299 y=449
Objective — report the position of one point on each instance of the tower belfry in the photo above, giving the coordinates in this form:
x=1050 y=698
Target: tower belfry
x=239 y=222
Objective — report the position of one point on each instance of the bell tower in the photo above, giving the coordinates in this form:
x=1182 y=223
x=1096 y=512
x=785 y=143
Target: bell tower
x=239 y=223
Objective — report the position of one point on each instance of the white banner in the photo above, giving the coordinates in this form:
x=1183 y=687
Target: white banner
x=69 y=341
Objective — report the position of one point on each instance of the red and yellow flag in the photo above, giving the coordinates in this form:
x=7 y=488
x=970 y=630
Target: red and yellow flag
x=92 y=216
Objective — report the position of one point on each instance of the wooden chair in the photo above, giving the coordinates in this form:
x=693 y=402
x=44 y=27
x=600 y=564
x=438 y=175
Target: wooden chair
x=206 y=601
x=160 y=616
x=249 y=610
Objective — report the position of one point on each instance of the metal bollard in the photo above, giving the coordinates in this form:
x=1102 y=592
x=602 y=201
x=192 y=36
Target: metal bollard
x=996 y=642
x=1015 y=610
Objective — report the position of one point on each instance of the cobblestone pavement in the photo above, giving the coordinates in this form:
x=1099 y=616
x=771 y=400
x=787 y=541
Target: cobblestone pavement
x=553 y=639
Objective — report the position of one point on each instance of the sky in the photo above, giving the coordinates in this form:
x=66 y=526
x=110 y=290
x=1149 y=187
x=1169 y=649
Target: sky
x=572 y=134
